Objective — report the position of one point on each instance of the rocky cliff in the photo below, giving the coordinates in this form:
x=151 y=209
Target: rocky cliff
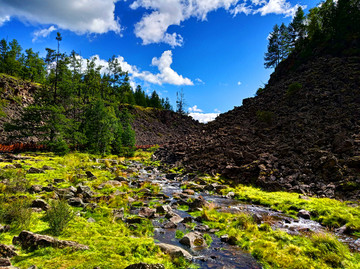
x=301 y=133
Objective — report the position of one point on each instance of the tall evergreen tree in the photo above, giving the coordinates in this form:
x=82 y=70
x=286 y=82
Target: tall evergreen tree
x=297 y=30
x=273 y=54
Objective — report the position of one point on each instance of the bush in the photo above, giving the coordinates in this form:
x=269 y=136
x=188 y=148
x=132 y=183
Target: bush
x=265 y=116
x=59 y=147
x=16 y=213
x=293 y=89
x=14 y=180
x=58 y=216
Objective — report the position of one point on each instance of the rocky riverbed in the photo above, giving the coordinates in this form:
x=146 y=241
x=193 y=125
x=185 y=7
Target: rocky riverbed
x=191 y=219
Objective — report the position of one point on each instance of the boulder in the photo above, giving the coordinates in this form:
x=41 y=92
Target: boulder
x=40 y=203
x=175 y=251
x=198 y=203
x=5 y=262
x=77 y=202
x=32 y=241
x=193 y=240
x=147 y=212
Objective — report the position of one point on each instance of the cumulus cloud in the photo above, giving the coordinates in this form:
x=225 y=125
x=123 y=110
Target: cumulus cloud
x=277 y=7
x=43 y=32
x=153 y=27
x=166 y=74
x=194 y=109
x=239 y=83
x=203 y=117
x=81 y=16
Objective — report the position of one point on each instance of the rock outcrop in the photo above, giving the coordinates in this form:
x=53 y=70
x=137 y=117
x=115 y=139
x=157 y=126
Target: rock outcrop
x=301 y=134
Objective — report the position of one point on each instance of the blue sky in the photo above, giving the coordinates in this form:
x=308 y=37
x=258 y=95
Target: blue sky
x=211 y=49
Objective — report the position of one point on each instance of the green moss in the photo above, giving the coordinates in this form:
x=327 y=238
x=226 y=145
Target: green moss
x=329 y=212
x=277 y=249
x=113 y=244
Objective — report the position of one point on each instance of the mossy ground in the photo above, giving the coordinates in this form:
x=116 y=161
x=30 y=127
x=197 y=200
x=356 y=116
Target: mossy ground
x=113 y=244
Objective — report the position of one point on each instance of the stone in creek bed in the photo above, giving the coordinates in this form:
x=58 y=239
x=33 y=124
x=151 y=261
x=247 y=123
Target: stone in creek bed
x=175 y=251
x=193 y=240
x=304 y=214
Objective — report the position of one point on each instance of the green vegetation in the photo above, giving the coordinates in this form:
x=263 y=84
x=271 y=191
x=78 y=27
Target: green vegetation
x=329 y=212
x=76 y=107
x=112 y=242
x=277 y=249
x=265 y=116
x=58 y=216
x=330 y=28
x=293 y=89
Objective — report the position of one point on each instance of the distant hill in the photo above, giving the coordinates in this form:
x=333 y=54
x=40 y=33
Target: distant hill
x=152 y=126
x=301 y=133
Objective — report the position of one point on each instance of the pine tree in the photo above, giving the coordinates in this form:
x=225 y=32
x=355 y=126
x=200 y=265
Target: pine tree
x=297 y=30
x=273 y=54
x=180 y=103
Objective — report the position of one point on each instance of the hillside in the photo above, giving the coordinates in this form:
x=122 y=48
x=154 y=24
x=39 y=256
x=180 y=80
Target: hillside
x=152 y=126
x=301 y=133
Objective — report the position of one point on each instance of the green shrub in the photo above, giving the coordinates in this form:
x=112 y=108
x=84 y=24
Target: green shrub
x=208 y=239
x=16 y=213
x=58 y=216
x=265 y=116
x=260 y=91
x=15 y=180
x=179 y=234
x=59 y=146
x=293 y=89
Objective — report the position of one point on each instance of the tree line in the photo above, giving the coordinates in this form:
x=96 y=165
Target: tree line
x=333 y=27
x=75 y=106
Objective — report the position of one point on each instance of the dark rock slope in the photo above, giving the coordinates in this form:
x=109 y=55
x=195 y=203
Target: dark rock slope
x=302 y=133
x=154 y=126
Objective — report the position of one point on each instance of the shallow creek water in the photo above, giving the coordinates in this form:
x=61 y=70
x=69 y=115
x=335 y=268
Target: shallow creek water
x=220 y=255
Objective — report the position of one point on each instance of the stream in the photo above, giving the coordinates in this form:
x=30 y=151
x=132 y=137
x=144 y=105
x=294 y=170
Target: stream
x=219 y=255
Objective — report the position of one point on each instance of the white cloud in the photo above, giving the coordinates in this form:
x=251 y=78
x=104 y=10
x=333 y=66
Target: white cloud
x=239 y=83
x=194 y=109
x=241 y=8
x=81 y=16
x=199 y=81
x=217 y=110
x=166 y=74
x=4 y=19
x=204 y=117
x=153 y=27
x=277 y=7
x=43 y=32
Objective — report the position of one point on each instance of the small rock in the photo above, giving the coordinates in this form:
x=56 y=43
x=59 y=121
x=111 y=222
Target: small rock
x=170 y=225
x=33 y=170
x=77 y=202
x=175 y=251
x=35 y=189
x=40 y=203
x=90 y=175
x=58 y=180
x=193 y=240
x=4 y=262
x=176 y=219
x=145 y=266
x=91 y=220
x=4 y=229
x=7 y=251
x=304 y=214
x=46 y=167
x=147 y=212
